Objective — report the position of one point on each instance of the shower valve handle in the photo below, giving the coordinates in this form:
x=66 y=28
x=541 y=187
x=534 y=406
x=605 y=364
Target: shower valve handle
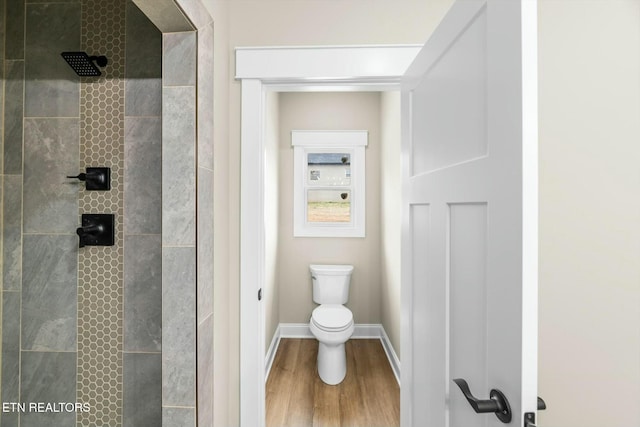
x=95 y=178
x=91 y=175
x=81 y=177
x=88 y=230
x=96 y=230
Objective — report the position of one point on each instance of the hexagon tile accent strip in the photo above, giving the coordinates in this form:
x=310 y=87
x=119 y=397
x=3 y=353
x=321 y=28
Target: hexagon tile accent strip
x=101 y=269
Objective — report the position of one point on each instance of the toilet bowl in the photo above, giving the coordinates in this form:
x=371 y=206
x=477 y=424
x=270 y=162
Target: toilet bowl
x=331 y=322
x=332 y=325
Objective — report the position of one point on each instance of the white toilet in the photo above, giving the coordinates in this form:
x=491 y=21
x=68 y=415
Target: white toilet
x=331 y=323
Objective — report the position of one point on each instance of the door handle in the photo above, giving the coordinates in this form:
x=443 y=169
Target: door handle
x=541 y=404
x=497 y=402
x=530 y=417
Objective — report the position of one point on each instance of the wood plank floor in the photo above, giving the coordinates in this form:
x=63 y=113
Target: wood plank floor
x=369 y=396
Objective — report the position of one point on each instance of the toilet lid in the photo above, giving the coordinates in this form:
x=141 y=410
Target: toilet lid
x=332 y=316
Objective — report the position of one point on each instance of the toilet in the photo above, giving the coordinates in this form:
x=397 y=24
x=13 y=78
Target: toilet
x=331 y=322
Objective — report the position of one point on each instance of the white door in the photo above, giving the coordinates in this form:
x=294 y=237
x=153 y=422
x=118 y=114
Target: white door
x=470 y=216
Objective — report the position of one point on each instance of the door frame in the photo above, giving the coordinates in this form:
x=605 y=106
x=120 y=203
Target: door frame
x=279 y=69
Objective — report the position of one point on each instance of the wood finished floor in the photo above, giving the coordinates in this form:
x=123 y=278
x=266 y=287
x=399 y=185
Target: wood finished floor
x=369 y=396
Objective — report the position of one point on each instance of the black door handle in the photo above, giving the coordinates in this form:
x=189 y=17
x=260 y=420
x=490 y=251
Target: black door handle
x=541 y=404
x=530 y=417
x=497 y=402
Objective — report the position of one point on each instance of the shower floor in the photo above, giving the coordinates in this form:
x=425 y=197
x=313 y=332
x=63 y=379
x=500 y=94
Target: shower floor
x=369 y=396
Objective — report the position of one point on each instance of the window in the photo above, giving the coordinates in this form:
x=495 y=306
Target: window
x=329 y=187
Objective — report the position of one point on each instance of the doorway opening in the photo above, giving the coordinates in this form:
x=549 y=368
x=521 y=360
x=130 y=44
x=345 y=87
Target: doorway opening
x=322 y=69
x=371 y=180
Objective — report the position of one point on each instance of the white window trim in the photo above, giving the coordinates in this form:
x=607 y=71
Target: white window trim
x=353 y=142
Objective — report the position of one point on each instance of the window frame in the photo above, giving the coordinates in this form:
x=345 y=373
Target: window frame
x=329 y=141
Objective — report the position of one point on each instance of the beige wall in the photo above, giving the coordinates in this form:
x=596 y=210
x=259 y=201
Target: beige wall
x=328 y=22
x=329 y=111
x=589 y=212
x=390 y=215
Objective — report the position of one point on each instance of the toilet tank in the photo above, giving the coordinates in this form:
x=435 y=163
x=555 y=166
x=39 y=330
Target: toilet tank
x=330 y=283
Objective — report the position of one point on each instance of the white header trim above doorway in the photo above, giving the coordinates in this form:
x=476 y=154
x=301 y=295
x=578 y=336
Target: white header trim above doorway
x=327 y=64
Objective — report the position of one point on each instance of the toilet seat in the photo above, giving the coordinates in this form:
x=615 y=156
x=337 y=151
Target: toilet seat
x=332 y=317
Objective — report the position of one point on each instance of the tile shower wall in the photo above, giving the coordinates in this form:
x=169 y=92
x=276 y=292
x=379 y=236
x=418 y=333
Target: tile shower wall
x=204 y=285
x=179 y=229
x=42 y=144
x=80 y=325
x=2 y=76
x=101 y=269
x=187 y=195
x=143 y=223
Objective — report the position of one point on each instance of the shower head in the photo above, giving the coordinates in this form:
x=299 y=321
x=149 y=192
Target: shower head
x=83 y=64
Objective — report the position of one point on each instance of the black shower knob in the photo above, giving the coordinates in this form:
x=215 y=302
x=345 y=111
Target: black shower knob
x=95 y=178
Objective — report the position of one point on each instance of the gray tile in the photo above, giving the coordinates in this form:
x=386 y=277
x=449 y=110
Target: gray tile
x=13 y=113
x=3 y=76
x=10 y=347
x=179 y=59
x=142 y=402
x=143 y=46
x=143 y=293
x=9 y=419
x=48 y=378
x=2 y=24
x=196 y=12
x=178 y=166
x=1 y=127
x=143 y=175
x=178 y=327
x=205 y=243
x=205 y=372
x=51 y=98
x=2 y=102
x=165 y=14
x=51 y=151
x=49 y=293
x=12 y=233
x=205 y=97
x=2 y=189
x=14 y=42
x=52 y=88
x=51 y=26
x=178 y=417
x=143 y=97
x=3 y=31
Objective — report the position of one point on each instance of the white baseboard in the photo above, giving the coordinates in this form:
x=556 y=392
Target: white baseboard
x=394 y=361
x=271 y=352
x=362 y=331
x=295 y=330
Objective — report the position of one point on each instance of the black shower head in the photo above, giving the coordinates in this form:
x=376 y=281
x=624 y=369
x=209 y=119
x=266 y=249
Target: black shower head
x=83 y=64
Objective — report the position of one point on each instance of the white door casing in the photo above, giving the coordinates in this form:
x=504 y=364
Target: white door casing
x=323 y=68
x=469 y=244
